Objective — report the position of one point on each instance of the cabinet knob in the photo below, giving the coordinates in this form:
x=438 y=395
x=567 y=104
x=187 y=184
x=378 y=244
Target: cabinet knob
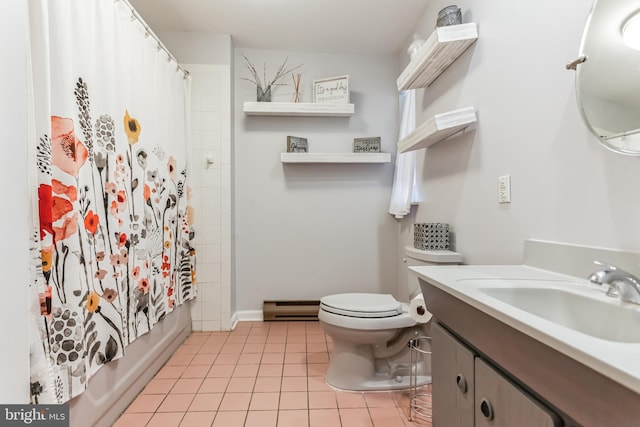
x=486 y=408
x=461 y=381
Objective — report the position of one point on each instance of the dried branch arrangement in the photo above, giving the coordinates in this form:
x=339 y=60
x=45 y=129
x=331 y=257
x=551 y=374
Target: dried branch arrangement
x=296 y=85
x=263 y=84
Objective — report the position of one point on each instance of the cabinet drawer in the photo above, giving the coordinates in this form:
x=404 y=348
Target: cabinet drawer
x=500 y=403
x=453 y=382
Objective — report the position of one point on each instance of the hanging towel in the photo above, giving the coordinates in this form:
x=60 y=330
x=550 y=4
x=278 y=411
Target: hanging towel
x=404 y=179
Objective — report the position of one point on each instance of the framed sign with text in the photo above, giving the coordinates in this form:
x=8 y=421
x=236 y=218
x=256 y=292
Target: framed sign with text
x=366 y=145
x=334 y=90
x=296 y=144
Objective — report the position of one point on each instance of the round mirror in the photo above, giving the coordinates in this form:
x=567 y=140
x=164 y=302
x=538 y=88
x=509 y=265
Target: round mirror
x=608 y=81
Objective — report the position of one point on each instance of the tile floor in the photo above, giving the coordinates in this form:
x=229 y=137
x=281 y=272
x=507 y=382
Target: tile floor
x=264 y=374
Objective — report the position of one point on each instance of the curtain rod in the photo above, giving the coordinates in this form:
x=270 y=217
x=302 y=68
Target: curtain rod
x=149 y=33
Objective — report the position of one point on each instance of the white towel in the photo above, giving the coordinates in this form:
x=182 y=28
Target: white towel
x=404 y=179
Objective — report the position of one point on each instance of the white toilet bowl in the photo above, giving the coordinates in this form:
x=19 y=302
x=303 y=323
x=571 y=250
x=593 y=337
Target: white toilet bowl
x=370 y=335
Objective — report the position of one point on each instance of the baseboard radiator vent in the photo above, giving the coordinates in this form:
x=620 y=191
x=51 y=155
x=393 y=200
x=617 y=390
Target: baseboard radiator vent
x=290 y=310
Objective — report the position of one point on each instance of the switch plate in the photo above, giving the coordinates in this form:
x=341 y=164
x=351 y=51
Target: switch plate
x=504 y=189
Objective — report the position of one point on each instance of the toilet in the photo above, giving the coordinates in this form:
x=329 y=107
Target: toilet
x=371 y=333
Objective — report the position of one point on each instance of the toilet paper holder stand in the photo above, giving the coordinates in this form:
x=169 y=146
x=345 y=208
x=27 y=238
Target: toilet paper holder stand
x=419 y=396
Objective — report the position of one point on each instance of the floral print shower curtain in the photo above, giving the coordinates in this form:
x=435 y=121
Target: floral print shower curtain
x=113 y=244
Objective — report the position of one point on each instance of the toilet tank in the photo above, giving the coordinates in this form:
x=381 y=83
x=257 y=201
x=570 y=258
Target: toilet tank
x=410 y=287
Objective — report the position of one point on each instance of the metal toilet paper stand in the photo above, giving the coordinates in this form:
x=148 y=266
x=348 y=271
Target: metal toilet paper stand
x=420 y=408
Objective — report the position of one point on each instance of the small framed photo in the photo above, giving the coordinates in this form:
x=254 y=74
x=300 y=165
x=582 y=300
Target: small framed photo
x=332 y=90
x=366 y=145
x=296 y=144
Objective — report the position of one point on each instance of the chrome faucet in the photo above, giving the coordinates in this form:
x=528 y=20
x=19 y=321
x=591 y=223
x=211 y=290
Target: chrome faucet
x=621 y=283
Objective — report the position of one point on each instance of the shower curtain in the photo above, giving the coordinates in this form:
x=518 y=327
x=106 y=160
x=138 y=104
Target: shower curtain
x=112 y=249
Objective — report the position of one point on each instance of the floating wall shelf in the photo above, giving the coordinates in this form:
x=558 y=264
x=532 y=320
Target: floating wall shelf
x=335 y=157
x=437 y=128
x=440 y=50
x=298 y=109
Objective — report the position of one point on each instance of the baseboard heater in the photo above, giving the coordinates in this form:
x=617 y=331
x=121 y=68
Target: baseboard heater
x=290 y=310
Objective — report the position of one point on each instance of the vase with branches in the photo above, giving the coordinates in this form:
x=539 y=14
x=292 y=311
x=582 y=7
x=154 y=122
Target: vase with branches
x=263 y=86
x=296 y=86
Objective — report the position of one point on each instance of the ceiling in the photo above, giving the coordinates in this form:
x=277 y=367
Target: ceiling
x=341 y=26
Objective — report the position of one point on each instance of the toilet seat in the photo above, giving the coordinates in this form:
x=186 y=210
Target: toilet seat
x=362 y=305
x=365 y=311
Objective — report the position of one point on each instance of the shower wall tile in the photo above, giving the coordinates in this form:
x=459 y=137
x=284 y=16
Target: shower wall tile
x=208 y=272
x=212 y=179
x=225 y=150
x=210 y=311
x=209 y=234
x=212 y=196
x=196 y=312
x=225 y=323
x=209 y=103
x=196 y=102
x=211 y=184
x=196 y=140
x=225 y=177
x=209 y=215
x=225 y=266
x=212 y=139
x=225 y=231
x=211 y=120
x=211 y=253
x=225 y=256
x=215 y=325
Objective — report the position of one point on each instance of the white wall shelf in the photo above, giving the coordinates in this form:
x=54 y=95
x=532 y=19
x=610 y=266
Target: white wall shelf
x=437 y=128
x=433 y=256
x=335 y=157
x=440 y=50
x=298 y=109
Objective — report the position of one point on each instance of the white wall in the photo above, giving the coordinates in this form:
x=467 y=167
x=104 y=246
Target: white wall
x=304 y=231
x=14 y=227
x=208 y=58
x=565 y=186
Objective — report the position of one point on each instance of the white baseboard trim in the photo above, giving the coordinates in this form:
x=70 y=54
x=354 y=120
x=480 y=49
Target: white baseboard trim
x=247 y=316
x=234 y=321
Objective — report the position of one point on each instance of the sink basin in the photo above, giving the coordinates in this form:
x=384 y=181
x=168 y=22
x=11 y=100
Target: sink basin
x=590 y=313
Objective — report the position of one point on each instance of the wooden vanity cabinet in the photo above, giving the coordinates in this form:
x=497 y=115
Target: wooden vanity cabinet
x=468 y=391
x=579 y=394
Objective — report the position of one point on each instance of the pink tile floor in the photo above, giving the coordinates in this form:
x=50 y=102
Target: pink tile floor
x=264 y=374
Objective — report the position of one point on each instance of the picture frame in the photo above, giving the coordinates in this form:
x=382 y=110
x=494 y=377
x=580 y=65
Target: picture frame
x=331 y=90
x=366 y=145
x=296 y=144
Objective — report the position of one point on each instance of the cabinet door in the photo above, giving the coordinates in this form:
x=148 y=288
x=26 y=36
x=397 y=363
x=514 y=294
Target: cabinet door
x=453 y=384
x=500 y=403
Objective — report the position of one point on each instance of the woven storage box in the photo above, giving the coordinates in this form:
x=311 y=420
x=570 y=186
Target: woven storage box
x=431 y=236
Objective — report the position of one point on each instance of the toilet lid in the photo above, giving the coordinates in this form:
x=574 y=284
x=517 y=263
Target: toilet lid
x=362 y=305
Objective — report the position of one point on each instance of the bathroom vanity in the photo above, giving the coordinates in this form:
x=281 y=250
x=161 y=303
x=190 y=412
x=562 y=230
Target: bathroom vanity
x=522 y=346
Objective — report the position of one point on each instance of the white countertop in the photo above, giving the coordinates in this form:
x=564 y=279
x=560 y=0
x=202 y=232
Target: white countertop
x=619 y=361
